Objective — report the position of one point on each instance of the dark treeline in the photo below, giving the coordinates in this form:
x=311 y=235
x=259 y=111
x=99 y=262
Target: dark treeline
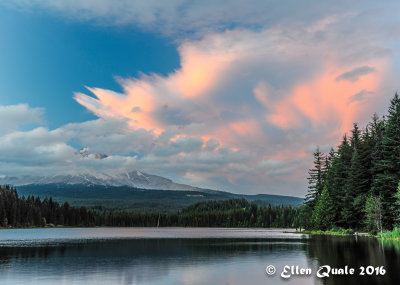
x=222 y=213
x=357 y=185
x=18 y=211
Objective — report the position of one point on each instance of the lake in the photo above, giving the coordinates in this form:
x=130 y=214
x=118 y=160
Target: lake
x=190 y=256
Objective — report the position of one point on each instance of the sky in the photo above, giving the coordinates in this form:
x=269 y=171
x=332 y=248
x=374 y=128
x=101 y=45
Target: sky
x=227 y=95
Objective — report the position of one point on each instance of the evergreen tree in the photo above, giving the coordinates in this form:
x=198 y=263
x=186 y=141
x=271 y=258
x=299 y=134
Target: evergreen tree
x=377 y=130
x=386 y=180
x=397 y=206
x=361 y=179
x=305 y=217
x=357 y=183
x=366 y=157
x=354 y=199
x=373 y=214
x=339 y=179
x=316 y=178
x=323 y=215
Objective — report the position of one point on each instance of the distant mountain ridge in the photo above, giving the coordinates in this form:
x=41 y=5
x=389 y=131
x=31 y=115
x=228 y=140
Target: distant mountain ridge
x=133 y=190
x=134 y=178
x=125 y=197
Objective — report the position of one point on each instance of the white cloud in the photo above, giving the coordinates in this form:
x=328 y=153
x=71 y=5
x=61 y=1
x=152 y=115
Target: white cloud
x=36 y=147
x=15 y=116
x=200 y=17
x=182 y=144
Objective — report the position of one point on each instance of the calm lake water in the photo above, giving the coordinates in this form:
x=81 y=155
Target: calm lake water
x=187 y=256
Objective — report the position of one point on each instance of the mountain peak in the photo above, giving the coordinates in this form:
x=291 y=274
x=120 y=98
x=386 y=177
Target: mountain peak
x=132 y=178
x=84 y=152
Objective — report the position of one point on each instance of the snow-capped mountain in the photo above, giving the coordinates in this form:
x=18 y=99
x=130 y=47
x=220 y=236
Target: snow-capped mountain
x=133 y=178
x=84 y=152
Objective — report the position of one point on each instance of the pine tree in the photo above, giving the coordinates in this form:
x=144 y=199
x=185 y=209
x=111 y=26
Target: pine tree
x=356 y=191
x=386 y=180
x=316 y=178
x=330 y=163
x=354 y=199
x=373 y=214
x=397 y=206
x=338 y=179
x=366 y=157
x=305 y=217
x=377 y=129
x=322 y=216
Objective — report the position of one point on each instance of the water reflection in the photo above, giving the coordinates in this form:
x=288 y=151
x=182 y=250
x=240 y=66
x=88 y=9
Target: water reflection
x=195 y=261
x=356 y=252
x=149 y=261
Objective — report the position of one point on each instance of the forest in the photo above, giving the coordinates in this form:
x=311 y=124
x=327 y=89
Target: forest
x=16 y=211
x=356 y=186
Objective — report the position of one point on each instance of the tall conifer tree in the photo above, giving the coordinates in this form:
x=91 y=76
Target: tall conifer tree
x=316 y=178
x=386 y=180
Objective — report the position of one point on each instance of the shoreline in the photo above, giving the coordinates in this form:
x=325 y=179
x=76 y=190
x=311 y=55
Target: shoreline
x=380 y=236
x=284 y=230
x=347 y=232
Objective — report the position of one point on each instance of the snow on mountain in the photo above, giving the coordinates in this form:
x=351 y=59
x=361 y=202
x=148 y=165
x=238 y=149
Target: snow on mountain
x=132 y=178
x=84 y=152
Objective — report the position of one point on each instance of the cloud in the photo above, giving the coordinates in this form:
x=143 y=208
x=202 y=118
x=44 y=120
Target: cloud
x=322 y=148
x=243 y=99
x=360 y=96
x=35 y=147
x=259 y=85
x=184 y=19
x=255 y=84
x=15 y=116
x=177 y=16
x=274 y=167
x=109 y=136
x=50 y=151
x=356 y=73
x=182 y=144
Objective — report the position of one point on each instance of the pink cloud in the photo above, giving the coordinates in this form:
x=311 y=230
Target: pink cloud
x=237 y=100
x=324 y=99
x=200 y=70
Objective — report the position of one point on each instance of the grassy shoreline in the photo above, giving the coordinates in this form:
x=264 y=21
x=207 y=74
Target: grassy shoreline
x=390 y=235
x=333 y=232
x=386 y=235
